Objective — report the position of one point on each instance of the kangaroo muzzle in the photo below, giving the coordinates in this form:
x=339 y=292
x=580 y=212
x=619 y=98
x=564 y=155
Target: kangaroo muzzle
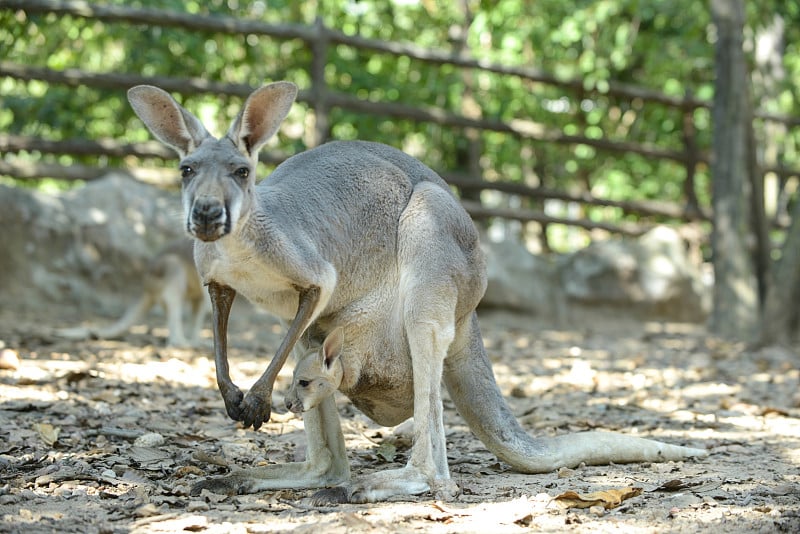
x=208 y=219
x=294 y=405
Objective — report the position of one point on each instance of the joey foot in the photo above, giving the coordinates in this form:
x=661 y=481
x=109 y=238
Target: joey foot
x=225 y=485
x=222 y=486
x=328 y=496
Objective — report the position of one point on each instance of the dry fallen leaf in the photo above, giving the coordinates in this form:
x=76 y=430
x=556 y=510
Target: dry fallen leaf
x=147 y=454
x=188 y=470
x=607 y=499
x=214 y=459
x=47 y=432
x=772 y=410
x=674 y=485
x=695 y=486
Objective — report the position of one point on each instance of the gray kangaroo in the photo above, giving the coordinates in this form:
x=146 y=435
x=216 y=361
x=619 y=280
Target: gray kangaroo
x=361 y=236
x=170 y=280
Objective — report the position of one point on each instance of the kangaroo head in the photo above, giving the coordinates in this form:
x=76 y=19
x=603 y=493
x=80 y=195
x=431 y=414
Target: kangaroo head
x=218 y=175
x=317 y=375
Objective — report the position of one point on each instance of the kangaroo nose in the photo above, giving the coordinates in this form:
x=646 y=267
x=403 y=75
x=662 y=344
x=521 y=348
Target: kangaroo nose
x=208 y=219
x=293 y=405
x=206 y=210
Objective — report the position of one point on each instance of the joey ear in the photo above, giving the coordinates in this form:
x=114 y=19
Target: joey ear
x=261 y=116
x=166 y=119
x=332 y=347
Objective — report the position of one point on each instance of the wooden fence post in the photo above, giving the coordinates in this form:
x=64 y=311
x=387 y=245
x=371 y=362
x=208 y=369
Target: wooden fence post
x=319 y=89
x=692 y=155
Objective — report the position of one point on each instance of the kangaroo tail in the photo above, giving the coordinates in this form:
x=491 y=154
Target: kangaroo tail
x=470 y=381
x=135 y=312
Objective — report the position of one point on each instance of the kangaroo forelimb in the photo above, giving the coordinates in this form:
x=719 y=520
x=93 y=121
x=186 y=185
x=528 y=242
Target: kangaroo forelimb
x=256 y=407
x=221 y=301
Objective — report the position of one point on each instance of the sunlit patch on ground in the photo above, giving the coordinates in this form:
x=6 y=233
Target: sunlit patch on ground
x=74 y=418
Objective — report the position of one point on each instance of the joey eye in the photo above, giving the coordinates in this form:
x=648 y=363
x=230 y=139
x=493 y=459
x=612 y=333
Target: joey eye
x=303 y=383
x=186 y=171
x=242 y=172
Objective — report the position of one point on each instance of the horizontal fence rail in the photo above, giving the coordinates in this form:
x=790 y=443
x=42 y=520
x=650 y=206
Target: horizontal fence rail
x=321 y=99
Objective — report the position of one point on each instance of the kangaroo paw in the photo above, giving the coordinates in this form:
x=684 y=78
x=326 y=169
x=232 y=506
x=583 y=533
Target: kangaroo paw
x=233 y=399
x=255 y=410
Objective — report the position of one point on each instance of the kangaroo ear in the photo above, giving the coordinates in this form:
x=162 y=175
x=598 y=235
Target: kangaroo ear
x=262 y=115
x=166 y=119
x=332 y=347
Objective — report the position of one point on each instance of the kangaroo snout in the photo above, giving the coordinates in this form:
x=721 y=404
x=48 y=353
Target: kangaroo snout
x=294 y=405
x=208 y=219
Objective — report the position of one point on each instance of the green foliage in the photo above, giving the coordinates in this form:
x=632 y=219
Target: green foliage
x=660 y=46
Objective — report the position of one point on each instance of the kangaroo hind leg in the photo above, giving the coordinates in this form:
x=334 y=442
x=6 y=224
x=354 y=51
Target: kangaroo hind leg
x=173 y=297
x=431 y=263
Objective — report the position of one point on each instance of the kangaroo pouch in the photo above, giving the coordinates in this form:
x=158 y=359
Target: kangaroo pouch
x=384 y=393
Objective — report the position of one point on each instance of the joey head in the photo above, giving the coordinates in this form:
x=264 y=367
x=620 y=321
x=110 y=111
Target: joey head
x=317 y=374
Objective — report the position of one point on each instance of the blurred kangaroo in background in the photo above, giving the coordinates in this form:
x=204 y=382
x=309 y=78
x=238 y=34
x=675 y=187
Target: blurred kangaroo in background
x=170 y=280
x=358 y=236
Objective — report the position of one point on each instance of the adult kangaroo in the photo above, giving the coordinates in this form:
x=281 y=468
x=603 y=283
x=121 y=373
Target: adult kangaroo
x=171 y=280
x=358 y=236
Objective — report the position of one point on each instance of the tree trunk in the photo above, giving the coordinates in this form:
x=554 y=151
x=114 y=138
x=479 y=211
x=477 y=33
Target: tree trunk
x=780 y=310
x=736 y=304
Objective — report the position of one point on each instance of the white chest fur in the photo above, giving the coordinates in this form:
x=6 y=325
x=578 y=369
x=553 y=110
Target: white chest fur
x=241 y=268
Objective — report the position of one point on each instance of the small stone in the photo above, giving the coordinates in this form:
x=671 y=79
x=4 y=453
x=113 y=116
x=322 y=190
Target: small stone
x=147 y=510
x=197 y=506
x=565 y=472
x=597 y=511
x=151 y=439
x=9 y=360
x=6 y=500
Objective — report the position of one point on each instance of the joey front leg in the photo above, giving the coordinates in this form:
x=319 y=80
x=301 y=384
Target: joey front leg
x=221 y=301
x=257 y=404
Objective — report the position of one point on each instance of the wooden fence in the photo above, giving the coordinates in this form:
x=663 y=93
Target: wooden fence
x=321 y=99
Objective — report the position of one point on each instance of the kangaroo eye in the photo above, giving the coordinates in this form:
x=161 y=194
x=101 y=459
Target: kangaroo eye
x=303 y=383
x=186 y=171
x=242 y=172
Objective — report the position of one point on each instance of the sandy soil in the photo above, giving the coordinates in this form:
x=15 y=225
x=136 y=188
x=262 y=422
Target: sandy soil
x=71 y=414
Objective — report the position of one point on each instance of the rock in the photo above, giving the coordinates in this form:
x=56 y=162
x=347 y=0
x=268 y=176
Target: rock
x=519 y=280
x=649 y=277
x=83 y=247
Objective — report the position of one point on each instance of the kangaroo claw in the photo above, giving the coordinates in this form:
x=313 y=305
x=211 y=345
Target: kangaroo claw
x=255 y=410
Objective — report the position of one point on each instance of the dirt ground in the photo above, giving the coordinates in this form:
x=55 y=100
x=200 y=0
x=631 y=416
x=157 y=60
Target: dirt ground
x=107 y=436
